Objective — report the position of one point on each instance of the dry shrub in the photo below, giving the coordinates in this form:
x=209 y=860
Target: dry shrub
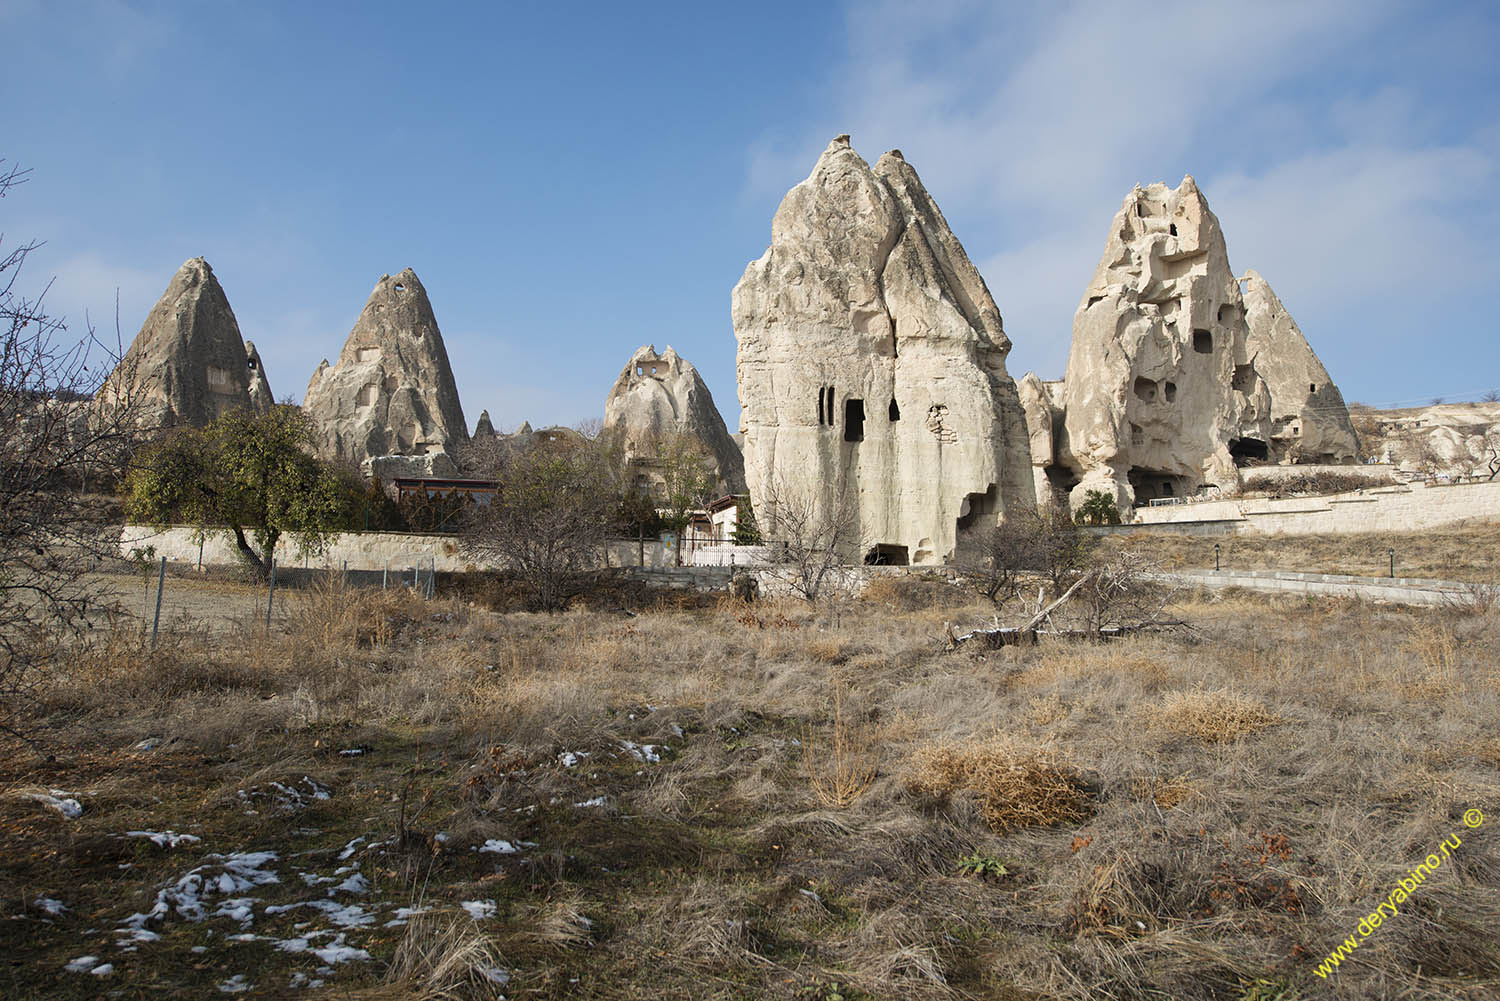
x=1435 y=646
x=1165 y=793
x=1017 y=785
x=445 y=956
x=706 y=925
x=841 y=767
x=1214 y=717
x=906 y=593
x=827 y=649
x=1123 y=660
x=333 y=614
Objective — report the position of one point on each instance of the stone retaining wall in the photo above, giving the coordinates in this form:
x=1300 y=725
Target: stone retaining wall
x=1406 y=508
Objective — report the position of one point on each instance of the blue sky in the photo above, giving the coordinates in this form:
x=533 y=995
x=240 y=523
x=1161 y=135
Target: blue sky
x=573 y=181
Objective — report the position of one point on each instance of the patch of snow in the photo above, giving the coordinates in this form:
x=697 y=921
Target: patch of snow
x=479 y=909
x=649 y=754
x=235 y=984
x=348 y=851
x=498 y=847
x=237 y=872
x=404 y=914
x=570 y=758
x=239 y=909
x=47 y=905
x=354 y=884
x=82 y=964
x=293 y=945
x=313 y=879
x=103 y=970
x=495 y=975
x=343 y=915
x=596 y=801
x=352 y=752
x=60 y=801
x=338 y=951
x=247 y=937
x=165 y=839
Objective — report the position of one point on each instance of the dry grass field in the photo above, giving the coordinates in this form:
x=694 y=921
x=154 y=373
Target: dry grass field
x=685 y=797
x=1466 y=554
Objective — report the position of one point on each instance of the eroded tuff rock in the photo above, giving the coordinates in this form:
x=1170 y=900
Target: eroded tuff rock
x=261 y=399
x=484 y=429
x=188 y=364
x=1309 y=421
x=392 y=391
x=661 y=395
x=1039 y=402
x=1162 y=394
x=871 y=365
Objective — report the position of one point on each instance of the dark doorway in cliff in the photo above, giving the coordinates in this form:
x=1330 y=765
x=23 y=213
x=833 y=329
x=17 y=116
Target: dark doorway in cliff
x=854 y=420
x=886 y=555
x=1247 y=450
x=1155 y=484
x=1203 y=342
x=894 y=412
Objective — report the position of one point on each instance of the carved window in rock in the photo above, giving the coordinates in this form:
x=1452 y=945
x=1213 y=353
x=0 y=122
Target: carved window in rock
x=368 y=394
x=250 y=364
x=1172 y=229
x=1312 y=387
x=854 y=420
x=367 y=354
x=1137 y=436
x=1170 y=391
x=825 y=406
x=893 y=412
x=1203 y=342
x=937 y=417
x=1145 y=389
x=1243 y=378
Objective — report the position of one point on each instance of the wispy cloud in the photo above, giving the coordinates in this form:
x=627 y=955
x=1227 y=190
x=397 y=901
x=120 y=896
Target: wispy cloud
x=1030 y=130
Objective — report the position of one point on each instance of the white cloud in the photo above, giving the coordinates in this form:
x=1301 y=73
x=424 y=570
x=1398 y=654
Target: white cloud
x=1029 y=131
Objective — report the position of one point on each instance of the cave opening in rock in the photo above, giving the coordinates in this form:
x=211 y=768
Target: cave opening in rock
x=1245 y=451
x=1145 y=389
x=1243 y=378
x=1203 y=342
x=1170 y=389
x=886 y=555
x=854 y=420
x=894 y=412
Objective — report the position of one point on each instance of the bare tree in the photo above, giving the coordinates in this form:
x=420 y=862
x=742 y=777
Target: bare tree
x=550 y=517
x=809 y=540
x=57 y=441
x=1030 y=543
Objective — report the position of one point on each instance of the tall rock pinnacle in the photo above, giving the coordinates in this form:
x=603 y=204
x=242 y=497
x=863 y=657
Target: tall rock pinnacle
x=392 y=390
x=188 y=364
x=661 y=395
x=871 y=366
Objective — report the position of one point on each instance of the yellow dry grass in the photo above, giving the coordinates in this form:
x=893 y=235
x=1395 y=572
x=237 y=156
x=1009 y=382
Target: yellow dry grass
x=1213 y=717
x=1017 y=785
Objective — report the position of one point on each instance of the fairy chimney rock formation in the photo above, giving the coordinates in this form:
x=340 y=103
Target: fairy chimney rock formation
x=871 y=367
x=484 y=429
x=391 y=393
x=188 y=364
x=1162 y=394
x=261 y=399
x=658 y=396
x=1309 y=420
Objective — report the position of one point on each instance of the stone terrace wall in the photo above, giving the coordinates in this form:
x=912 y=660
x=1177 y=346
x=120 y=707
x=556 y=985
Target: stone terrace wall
x=362 y=550
x=1412 y=507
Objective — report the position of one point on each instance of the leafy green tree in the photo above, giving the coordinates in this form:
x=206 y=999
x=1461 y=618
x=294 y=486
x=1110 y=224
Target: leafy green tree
x=746 y=531
x=688 y=480
x=1098 y=508
x=252 y=476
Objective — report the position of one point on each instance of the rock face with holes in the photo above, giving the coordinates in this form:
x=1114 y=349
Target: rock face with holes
x=261 y=399
x=658 y=396
x=392 y=391
x=1162 y=396
x=1309 y=421
x=188 y=364
x=871 y=367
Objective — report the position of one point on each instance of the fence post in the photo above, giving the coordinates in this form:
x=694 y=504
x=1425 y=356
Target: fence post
x=384 y=573
x=200 y=555
x=161 y=580
x=271 y=598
